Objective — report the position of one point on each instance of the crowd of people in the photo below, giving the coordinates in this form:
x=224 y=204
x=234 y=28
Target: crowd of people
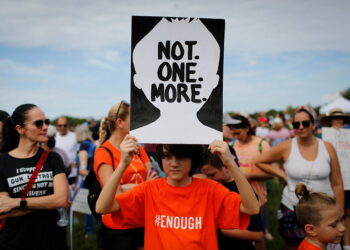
x=212 y=196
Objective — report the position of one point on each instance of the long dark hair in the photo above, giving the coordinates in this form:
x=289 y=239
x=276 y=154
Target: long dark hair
x=9 y=132
x=243 y=124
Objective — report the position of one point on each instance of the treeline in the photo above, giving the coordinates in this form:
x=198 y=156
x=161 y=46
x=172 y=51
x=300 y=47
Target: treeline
x=73 y=121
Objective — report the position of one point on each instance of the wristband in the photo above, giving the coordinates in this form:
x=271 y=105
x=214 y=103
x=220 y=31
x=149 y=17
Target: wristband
x=23 y=203
x=83 y=167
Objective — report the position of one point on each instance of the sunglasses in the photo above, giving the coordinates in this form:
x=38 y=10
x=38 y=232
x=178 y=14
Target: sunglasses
x=39 y=123
x=305 y=123
x=120 y=105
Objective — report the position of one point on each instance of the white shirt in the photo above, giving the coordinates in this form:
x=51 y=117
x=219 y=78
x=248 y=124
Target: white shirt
x=314 y=174
x=68 y=143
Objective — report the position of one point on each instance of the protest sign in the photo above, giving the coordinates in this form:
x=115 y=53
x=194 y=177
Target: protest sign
x=176 y=79
x=80 y=202
x=340 y=139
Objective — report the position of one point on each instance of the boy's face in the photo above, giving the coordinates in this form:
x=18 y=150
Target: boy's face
x=176 y=169
x=331 y=228
x=219 y=175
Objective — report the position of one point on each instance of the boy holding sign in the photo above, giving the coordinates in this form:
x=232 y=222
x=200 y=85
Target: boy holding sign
x=180 y=211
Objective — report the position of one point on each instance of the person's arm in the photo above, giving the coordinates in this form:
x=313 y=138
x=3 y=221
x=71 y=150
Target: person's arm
x=106 y=202
x=335 y=175
x=249 y=204
x=264 y=162
x=242 y=234
x=83 y=160
x=14 y=212
x=258 y=176
x=58 y=199
x=257 y=173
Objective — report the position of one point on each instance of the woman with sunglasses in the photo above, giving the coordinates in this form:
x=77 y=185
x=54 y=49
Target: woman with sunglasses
x=307 y=160
x=113 y=129
x=31 y=219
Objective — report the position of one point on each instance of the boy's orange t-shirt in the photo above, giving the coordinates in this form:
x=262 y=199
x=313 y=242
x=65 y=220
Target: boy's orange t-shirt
x=305 y=245
x=182 y=217
x=247 y=154
x=136 y=173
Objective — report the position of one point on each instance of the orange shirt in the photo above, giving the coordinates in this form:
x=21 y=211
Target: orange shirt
x=305 y=245
x=136 y=173
x=247 y=154
x=182 y=217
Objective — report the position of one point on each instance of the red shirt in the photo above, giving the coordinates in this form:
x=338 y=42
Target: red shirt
x=305 y=245
x=182 y=217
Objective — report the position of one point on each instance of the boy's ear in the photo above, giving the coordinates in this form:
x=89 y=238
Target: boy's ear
x=310 y=230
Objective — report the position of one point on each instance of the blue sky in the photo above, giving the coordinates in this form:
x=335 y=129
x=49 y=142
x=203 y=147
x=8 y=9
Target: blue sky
x=72 y=57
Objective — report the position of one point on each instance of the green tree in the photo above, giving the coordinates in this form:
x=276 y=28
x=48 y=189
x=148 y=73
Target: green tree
x=346 y=93
x=272 y=112
x=72 y=121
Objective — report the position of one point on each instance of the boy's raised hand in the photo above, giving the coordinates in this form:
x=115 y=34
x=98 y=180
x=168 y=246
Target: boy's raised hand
x=221 y=148
x=128 y=147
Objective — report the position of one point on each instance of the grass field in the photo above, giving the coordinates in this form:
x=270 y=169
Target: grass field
x=274 y=197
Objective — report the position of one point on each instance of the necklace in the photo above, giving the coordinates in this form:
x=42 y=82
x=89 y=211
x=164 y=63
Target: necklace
x=309 y=175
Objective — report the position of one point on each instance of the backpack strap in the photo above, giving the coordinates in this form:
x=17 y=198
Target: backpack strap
x=110 y=153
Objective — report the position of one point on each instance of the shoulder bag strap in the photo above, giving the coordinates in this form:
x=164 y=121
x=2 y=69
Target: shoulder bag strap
x=260 y=146
x=110 y=153
x=35 y=173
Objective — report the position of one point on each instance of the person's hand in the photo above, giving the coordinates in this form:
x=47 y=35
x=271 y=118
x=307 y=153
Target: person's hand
x=83 y=172
x=152 y=174
x=221 y=148
x=128 y=148
x=7 y=204
x=284 y=178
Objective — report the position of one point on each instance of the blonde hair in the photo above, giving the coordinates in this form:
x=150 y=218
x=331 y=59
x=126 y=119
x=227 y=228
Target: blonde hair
x=310 y=204
x=107 y=126
x=83 y=133
x=277 y=126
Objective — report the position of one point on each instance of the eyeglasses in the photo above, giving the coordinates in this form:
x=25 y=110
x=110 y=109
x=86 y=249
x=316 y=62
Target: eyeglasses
x=62 y=125
x=39 y=123
x=305 y=123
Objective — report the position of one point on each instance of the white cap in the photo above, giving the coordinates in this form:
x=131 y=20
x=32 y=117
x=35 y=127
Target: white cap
x=227 y=120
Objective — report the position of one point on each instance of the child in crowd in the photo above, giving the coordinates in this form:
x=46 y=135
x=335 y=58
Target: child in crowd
x=180 y=211
x=320 y=217
x=214 y=169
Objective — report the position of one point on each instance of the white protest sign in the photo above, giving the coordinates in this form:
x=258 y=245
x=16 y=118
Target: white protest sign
x=340 y=138
x=176 y=94
x=80 y=202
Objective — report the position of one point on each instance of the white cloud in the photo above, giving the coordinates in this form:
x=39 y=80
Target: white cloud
x=332 y=97
x=107 y=59
x=257 y=34
x=100 y=63
x=7 y=65
x=252 y=27
x=56 y=100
